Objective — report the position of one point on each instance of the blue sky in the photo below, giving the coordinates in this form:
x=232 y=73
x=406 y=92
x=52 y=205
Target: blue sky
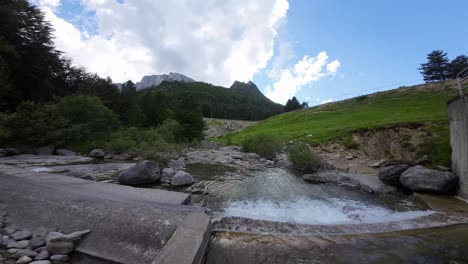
x=378 y=43
x=316 y=50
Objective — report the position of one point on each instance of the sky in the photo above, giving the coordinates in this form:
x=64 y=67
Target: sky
x=318 y=51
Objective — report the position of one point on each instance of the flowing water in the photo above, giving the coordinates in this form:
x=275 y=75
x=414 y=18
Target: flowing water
x=275 y=194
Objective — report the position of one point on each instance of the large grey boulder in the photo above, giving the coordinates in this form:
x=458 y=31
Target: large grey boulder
x=45 y=150
x=391 y=175
x=65 y=152
x=97 y=153
x=422 y=179
x=182 y=178
x=167 y=174
x=146 y=171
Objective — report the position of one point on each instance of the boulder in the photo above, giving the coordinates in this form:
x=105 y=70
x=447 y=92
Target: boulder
x=43 y=255
x=146 y=171
x=41 y=262
x=65 y=152
x=391 y=175
x=123 y=157
x=3 y=153
x=25 y=149
x=58 y=259
x=45 y=150
x=182 y=178
x=60 y=244
x=36 y=242
x=422 y=179
x=24 y=260
x=25 y=252
x=21 y=235
x=12 y=151
x=20 y=244
x=97 y=153
x=167 y=174
x=110 y=154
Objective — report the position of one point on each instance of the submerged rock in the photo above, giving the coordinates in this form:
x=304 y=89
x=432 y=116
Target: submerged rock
x=144 y=172
x=422 y=179
x=391 y=175
x=182 y=178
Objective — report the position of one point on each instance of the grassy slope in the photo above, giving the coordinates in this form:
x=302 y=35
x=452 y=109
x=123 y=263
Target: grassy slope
x=423 y=103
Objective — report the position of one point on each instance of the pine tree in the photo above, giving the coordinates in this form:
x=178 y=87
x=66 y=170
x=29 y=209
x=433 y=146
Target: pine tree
x=457 y=65
x=436 y=68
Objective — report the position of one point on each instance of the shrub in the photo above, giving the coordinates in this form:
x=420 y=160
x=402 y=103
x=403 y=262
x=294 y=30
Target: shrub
x=148 y=143
x=264 y=145
x=303 y=158
x=349 y=143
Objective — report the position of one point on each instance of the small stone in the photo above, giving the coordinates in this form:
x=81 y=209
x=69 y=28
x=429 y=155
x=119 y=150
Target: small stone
x=59 y=259
x=21 y=235
x=349 y=157
x=13 y=250
x=43 y=255
x=24 y=260
x=40 y=249
x=25 y=252
x=60 y=247
x=20 y=244
x=36 y=242
x=41 y=262
x=10 y=229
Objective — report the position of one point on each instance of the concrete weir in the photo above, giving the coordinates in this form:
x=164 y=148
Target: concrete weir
x=458 y=116
x=129 y=225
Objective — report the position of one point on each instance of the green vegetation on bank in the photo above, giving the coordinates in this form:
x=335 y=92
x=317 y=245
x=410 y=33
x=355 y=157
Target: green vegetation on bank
x=319 y=124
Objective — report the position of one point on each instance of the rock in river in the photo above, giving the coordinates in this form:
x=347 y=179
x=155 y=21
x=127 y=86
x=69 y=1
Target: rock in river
x=65 y=152
x=146 y=171
x=97 y=153
x=422 y=179
x=182 y=178
x=391 y=175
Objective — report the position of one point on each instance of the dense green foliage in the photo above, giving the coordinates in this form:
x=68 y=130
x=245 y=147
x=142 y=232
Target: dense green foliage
x=418 y=104
x=293 y=104
x=46 y=100
x=70 y=119
x=439 y=68
x=262 y=144
x=303 y=158
x=241 y=101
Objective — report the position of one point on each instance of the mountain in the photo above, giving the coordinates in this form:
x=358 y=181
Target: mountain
x=155 y=80
x=243 y=101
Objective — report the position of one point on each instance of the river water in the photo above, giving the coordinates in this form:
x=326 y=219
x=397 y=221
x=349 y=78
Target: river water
x=276 y=194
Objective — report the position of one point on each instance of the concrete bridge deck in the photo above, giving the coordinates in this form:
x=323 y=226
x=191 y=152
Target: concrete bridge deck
x=129 y=225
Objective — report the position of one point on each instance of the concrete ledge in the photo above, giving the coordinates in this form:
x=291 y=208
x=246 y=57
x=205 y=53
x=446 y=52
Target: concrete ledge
x=189 y=242
x=129 y=225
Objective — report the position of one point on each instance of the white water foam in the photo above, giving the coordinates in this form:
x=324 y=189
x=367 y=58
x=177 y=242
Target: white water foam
x=41 y=169
x=323 y=212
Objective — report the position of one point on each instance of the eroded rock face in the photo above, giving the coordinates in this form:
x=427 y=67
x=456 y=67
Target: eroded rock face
x=391 y=175
x=182 y=178
x=144 y=172
x=422 y=179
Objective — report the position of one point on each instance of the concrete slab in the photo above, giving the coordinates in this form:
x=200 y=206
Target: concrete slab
x=443 y=203
x=188 y=242
x=129 y=225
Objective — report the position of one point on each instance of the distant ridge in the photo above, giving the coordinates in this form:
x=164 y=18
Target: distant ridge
x=155 y=80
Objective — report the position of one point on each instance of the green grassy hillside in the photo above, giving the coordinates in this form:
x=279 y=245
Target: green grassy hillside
x=416 y=104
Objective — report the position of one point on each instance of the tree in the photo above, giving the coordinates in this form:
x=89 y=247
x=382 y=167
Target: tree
x=130 y=111
x=436 y=68
x=457 y=65
x=293 y=104
x=189 y=115
x=27 y=51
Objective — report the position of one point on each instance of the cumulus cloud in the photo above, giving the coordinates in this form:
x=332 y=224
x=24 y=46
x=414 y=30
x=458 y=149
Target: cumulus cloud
x=304 y=72
x=213 y=41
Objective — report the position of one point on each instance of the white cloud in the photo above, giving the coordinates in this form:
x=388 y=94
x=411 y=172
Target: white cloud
x=304 y=72
x=214 y=41
x=329 y=100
